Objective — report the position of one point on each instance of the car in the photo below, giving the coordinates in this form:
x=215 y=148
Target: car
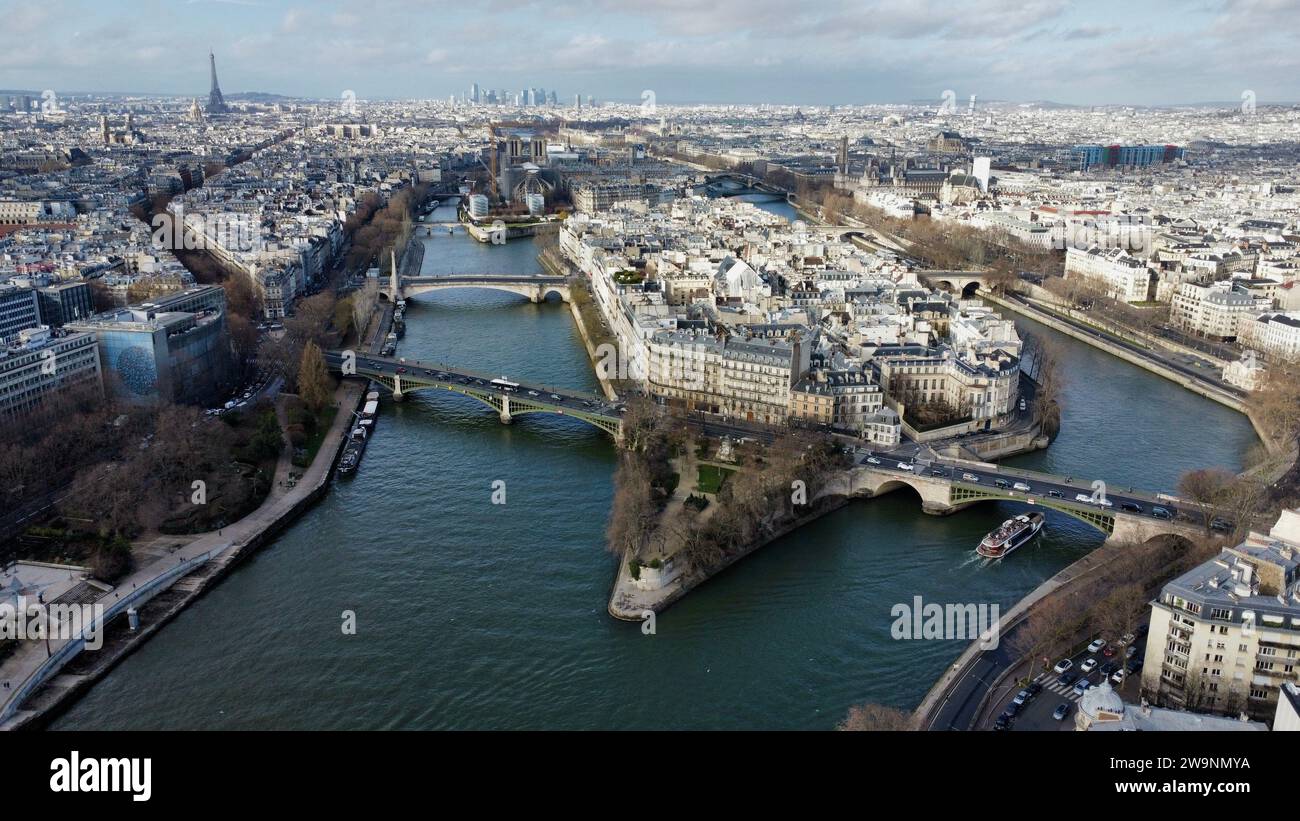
x=1056 y=494
x=1012 y=710
x=969 y=477
x=1021 y=486
x=1126 y=639
x=1066 y=679
x=1161 y=513
x=1003 y=722
x=1082 y=497
x=428 y=373
x=556 y=397
x=1096 y=645
x=1063 y=666
x=1130 y=651
x=1088 y=665
x=1108 y=652
x=1108 y=668
x=1220 y=524
x=1002 y=483
x=871 y=460
x=937 y=472
x=1062 y=710
x=1117 y=677
x=1022 y=404
x=1133 y=666
x=1021 y=697
x=1131 y=507
x=534 y=393
x=1034 y=688
x=1081 y=686
x=401 y=370
x=904 y=466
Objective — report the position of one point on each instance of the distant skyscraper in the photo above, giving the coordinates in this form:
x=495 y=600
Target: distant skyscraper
x=216 y=102
x=972 y=104
x=474 y=93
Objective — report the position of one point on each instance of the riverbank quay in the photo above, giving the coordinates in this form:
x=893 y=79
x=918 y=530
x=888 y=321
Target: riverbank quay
x=957 y=698
x=1134 y=354
x=180 y=570
x=555 y=265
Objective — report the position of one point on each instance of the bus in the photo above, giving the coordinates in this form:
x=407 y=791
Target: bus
x=505 y=385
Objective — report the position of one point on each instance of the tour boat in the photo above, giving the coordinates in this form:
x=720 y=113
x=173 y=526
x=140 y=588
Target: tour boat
x=1011 y=534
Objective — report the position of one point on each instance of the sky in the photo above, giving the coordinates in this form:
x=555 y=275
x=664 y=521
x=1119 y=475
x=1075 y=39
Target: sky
x=1138 y=52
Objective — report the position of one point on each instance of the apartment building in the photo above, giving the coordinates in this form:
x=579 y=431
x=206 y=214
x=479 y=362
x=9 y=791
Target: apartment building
x=1122 y=276
x=844 y=399
x=985 y=384
x=1225 y=636
x=1276 y=334
x=1216 y=310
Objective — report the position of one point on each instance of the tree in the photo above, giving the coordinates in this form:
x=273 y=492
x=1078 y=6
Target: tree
x=870 y=716
x=1207 y=488
x=314 y=379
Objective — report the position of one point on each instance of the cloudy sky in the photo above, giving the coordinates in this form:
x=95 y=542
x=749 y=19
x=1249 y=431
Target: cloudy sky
x=687 y=51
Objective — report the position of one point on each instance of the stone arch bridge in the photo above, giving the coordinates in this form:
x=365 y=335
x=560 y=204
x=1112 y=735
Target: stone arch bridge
x=534 y=288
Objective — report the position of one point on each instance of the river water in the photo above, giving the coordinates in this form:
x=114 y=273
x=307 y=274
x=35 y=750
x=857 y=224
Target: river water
x=477 y=615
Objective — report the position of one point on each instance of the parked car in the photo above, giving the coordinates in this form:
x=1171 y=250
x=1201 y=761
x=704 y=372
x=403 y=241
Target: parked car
x=1117 y=677
x=1063 y=666
x=1096 y=645
x=1021 y=697
x=1003 y=722
x=1130 y=651
x=1034 y=688
x=1081 y=686
x=1088 y=665
x=1012 y=710
x=1062 y=710
x=1066 y=679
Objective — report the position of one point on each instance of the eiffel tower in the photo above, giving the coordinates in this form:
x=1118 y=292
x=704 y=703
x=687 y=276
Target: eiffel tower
x=216 y=103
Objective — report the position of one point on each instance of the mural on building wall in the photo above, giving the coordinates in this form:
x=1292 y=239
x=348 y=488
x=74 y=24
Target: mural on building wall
x=135 y=368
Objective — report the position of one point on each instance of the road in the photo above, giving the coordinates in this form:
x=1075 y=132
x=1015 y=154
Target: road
x=1041 y=486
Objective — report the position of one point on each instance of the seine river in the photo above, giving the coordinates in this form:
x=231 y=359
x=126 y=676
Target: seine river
x=474 y=615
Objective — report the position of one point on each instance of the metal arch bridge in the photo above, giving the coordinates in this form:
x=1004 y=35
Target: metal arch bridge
x=951 y=491
x=535 y=287
x=526 y=398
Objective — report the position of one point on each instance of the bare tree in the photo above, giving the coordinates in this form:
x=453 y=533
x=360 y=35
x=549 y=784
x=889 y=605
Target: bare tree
x=871 y=716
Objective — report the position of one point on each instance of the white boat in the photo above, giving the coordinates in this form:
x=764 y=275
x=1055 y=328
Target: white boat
x=1010 y=534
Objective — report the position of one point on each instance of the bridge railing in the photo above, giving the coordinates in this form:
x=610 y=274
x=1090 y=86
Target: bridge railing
x=486 y=378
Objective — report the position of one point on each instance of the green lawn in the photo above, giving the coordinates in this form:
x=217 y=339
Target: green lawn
x=711 y=477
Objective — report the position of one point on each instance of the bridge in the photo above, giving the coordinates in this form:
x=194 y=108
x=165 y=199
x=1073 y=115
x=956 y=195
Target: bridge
x=965 y=283
x=534 y=288
x=400 y=377
x=744 y=184
x=947 y=485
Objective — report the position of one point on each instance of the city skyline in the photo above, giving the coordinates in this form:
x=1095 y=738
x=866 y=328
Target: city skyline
x=772 y=52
